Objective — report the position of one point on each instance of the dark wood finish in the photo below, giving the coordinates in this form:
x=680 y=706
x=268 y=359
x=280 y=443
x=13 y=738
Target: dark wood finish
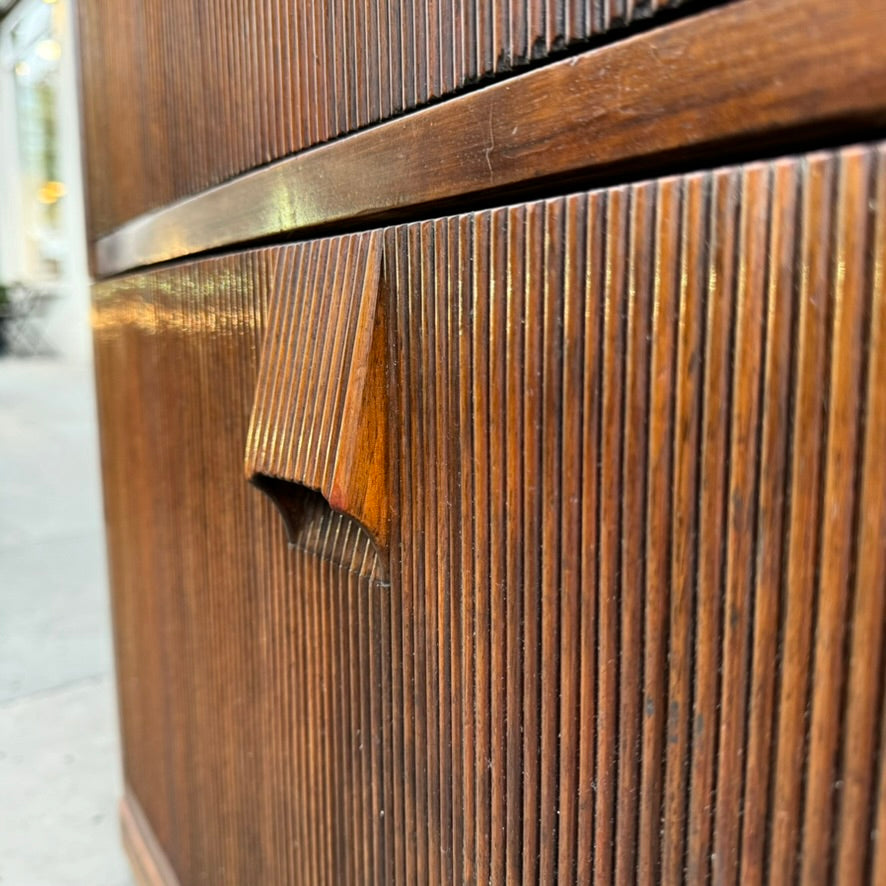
x=249 y=669
x=633 y=619
x=197 y=93
x=147 y=858
x=686 y=90
x=321 y=409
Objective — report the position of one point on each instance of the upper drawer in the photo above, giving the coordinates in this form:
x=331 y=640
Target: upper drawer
x=180 y=96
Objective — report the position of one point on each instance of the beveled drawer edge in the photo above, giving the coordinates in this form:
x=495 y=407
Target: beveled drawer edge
x=148 y=861
x=800 y=64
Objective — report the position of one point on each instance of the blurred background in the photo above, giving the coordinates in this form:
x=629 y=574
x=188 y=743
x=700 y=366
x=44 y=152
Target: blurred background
x=59 y=761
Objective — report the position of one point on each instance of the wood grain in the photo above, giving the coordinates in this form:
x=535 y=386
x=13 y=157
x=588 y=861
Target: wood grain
x=196 y=94
x=249 y=668
x=671 y=95
x=149 y=863
x=631 y=627
x=699 y=368
x=320 y=413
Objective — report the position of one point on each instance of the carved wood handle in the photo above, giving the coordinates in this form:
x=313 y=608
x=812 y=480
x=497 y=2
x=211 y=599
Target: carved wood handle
x=319 y=418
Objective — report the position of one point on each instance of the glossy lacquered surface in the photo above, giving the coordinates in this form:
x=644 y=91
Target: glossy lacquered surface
x=628 y=625
x=320 y=417
x=741 y=78
x=248 y=664
x=197 y=93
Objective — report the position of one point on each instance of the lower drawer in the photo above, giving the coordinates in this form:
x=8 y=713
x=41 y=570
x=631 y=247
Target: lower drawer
x=607 y=595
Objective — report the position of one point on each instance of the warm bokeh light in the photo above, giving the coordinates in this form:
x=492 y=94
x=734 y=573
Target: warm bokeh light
x=50 y=192
x=49 y=50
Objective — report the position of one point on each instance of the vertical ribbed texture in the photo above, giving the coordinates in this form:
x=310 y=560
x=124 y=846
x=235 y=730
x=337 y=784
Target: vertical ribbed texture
x=634 y=625
x=250 y=672
x=198 y=93
x=314 y=361
x=637 y=429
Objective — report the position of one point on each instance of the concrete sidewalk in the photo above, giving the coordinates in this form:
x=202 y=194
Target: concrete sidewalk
x=59 y=755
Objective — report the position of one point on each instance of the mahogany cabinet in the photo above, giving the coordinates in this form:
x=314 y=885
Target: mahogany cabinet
x=497 y=493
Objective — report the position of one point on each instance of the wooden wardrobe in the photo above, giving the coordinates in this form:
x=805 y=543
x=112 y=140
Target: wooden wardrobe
x=493 y=417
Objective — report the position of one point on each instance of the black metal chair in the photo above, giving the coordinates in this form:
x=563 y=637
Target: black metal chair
x=22 y=317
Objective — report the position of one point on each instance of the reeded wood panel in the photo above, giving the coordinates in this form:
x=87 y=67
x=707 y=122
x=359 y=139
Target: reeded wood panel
x=642 y=531
x=320 y=408
x=249 y=672
x=640 y=98
x=635 y=617
x=179 y=96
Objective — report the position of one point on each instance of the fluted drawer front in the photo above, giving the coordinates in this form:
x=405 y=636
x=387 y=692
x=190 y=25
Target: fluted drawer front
x=197 y=93
x=642 y=501
x=632 y=622
x=248 y=668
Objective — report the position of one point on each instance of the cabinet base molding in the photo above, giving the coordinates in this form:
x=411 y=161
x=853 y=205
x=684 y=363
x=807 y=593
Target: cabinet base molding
x=148 y=861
